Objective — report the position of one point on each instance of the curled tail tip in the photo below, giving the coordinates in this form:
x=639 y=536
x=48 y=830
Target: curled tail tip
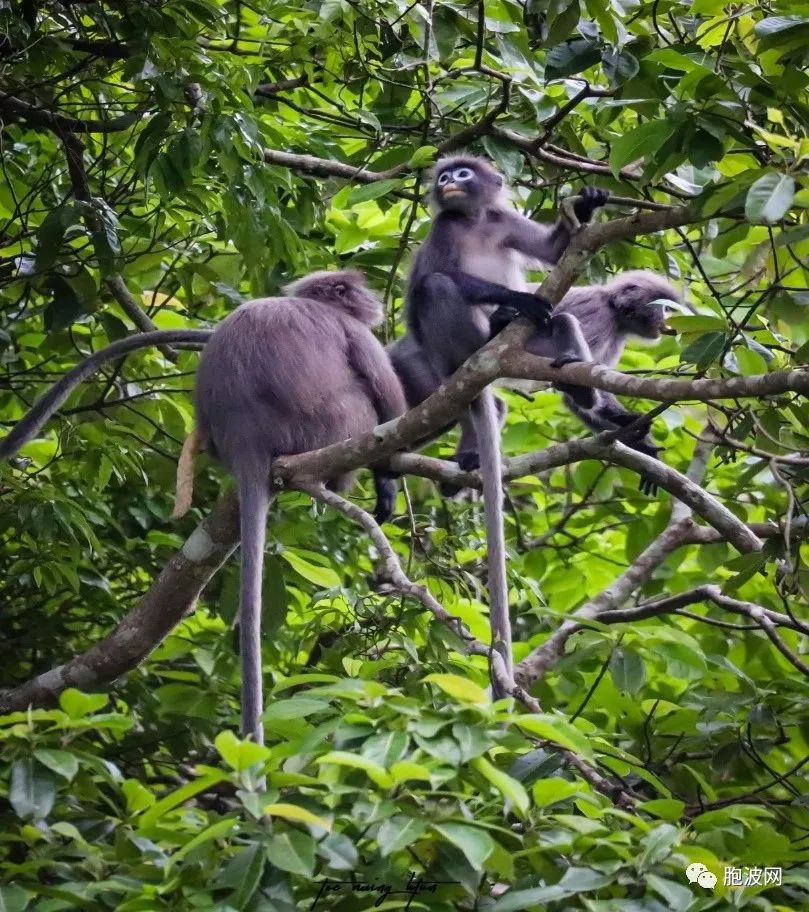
x=184 y=491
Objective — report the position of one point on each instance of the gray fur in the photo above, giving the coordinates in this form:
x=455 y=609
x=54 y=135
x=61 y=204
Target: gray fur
x=282 y=376
x=475 y=257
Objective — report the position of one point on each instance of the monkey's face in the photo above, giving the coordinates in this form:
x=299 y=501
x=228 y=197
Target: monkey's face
x=462 y=186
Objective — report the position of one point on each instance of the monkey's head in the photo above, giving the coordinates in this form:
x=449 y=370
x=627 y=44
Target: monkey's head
x=638 y=299
x=344 y=289
x=467 y=184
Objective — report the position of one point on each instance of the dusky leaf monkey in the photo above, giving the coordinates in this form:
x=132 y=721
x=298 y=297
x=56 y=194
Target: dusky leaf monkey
x=278 y=376
x=282 y=376
x=475 y=258
x=594 y=323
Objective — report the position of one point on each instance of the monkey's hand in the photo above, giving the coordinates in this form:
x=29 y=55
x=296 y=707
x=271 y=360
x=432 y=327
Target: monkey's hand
x=500 y=319
x=590 y=199
x=645 y=445
x=536 y=308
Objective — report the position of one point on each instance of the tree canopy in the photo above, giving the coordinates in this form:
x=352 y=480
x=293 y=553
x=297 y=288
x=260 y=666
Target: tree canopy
x=163 y=162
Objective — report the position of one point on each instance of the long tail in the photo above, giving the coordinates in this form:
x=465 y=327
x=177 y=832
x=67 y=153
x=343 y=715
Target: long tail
x=254 y=501
x=26 y=428
x=184 y=488
x=487 y=427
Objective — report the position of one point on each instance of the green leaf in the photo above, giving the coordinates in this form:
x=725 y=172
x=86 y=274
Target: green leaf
x=324 y=577
x=558 y=730
x=476 y=844
x=354 y=761
x=459 y=688
x=293 y=851
x=365 y=192
x=658 y=845
x=397 y=832
x=774 y=25
x=33 y=789
x=62 y=762
x=51 y=235
x=549 y=791
x=697 y=324
x=570 y=58
x=296 y=814
x=13 y=899
x=642 y=142
x=339 y=852
x=769 y=199
x=704 y=350
x=180 y=796
x=509 y=788
x=574 y=881
x=240 y=754
x=627 y=670
x=423 y=156
x=77 y=704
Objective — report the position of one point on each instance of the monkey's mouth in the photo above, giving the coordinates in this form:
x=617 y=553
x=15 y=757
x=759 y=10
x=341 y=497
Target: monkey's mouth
x=452 y=190
x=667 y=330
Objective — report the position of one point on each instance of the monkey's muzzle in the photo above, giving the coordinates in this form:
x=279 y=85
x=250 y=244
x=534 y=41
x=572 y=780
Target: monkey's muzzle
x=453 y=190
x=667 y=330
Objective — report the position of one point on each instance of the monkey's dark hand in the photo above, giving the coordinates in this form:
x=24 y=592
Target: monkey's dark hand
x=468 y=461
x=500 y=319
x=590 y=199
x=536 y=308
x=645 y=445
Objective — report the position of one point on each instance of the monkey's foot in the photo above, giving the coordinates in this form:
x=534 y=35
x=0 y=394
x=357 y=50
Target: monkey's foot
x=468 y=460
x=583 y=396
x=562 y=360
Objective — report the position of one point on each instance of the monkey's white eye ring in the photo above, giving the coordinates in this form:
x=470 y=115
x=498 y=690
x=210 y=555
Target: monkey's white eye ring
x=443 y=179
x=463 y=174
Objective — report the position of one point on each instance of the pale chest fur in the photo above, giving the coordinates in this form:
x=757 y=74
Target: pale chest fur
x=485 y=255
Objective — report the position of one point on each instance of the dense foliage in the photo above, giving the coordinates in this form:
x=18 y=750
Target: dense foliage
x=163 y=161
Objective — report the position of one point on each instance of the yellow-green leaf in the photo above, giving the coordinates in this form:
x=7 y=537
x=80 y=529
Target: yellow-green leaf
x=459 y=688
x=558 y=730
x=509 y=788
x=295 y=813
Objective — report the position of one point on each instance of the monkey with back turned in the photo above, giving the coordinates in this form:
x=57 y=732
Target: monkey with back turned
x=279 y=376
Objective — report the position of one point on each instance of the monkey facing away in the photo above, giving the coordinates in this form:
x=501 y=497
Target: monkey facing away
x=475 y=258
x=282 y=376
x=279 y=376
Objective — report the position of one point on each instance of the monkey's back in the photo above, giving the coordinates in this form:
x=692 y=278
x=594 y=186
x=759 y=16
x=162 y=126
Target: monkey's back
x=275 y=379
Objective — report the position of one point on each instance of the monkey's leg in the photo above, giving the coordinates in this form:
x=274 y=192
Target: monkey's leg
x=385 y=487
x=566 y=345
x=467 y=453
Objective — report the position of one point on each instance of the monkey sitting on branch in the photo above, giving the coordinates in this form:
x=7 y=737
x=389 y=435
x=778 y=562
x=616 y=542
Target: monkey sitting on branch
x=475 y=258
x=593 y=323
x=279 y=376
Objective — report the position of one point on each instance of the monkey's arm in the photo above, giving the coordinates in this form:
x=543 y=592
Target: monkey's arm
x=27 y=427
x=477 y=291
x=547 y=244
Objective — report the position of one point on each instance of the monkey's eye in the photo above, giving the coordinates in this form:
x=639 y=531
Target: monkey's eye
x=443 y=179
x=340 y=290
x=463 y=174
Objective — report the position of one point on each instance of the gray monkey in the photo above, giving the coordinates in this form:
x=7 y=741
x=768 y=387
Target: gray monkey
x=278 y=376
x=475 y=258
x=591 y=323
x=282 y=376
